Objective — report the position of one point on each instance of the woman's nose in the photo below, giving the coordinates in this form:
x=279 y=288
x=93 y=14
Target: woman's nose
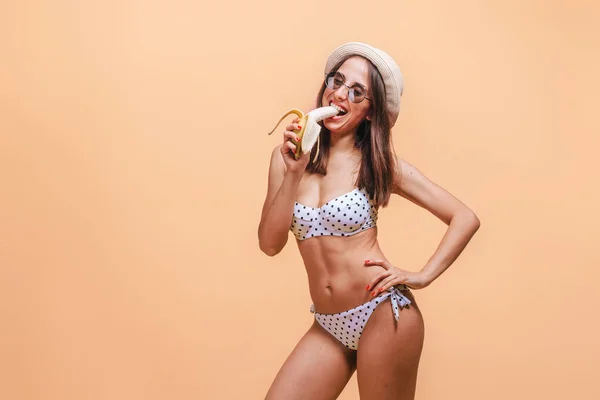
x=341 y=93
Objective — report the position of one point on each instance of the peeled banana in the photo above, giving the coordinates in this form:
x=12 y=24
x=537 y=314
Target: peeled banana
x=310 y=129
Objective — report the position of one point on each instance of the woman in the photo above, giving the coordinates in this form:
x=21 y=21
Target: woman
x=366 y=318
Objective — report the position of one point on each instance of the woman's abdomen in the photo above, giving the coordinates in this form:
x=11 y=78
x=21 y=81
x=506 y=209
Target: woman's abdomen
x=336 y=272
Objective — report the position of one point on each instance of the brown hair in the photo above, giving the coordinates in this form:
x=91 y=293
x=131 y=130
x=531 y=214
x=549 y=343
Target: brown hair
x=373 y=138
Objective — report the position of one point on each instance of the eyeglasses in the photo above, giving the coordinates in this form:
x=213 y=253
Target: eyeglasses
x=356 y=93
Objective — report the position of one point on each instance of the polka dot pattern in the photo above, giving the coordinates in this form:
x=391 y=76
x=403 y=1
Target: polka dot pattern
x=344 y=215
x=347 y=326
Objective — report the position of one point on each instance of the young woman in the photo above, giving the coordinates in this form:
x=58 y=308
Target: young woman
x=366 y=317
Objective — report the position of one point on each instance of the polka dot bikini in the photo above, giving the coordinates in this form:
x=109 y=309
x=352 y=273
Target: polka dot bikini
x=347 y=326
x=344 y=215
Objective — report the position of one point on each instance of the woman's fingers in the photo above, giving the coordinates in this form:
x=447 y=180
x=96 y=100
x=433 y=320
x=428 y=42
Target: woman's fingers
x=289 y=147
x=376 y=280
x=381 y=263
x=290 y=138
x=386 y=279
x=289 y=135
x=388 y=283
x=289 y=143
x=293 y=127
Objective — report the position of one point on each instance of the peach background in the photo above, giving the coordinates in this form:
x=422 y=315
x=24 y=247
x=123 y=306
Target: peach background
x=133 y=160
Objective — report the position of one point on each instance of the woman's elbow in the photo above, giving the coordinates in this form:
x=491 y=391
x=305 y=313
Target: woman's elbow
x=467 y=219
x=268 y=250
x=270 y=247
x=474 y=221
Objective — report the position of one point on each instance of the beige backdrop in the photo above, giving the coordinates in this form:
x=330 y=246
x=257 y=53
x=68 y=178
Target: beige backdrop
x=133 y=167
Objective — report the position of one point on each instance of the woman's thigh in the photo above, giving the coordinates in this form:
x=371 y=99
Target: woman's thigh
x=318 y=368
x=389 y=352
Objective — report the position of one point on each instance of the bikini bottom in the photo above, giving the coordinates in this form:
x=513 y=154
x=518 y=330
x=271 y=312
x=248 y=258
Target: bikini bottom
x=347 y=326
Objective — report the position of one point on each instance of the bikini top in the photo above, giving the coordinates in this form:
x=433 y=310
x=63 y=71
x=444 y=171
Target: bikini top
x=344 y=215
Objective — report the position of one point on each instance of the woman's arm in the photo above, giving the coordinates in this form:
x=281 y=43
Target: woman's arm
x=279 y=205
x=462 y=223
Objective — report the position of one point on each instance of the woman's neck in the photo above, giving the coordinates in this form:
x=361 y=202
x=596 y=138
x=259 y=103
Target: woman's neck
x=342 y=143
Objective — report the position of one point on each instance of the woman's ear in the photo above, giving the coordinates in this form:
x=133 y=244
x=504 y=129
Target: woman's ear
x=369 y=113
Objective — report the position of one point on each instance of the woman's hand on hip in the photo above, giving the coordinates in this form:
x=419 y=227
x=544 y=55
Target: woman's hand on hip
x=394 y=276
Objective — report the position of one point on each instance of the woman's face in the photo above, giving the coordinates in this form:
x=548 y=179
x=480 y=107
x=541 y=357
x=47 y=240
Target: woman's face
x=355 y=71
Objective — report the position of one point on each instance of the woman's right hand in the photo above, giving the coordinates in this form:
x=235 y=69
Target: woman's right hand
x=287 y=150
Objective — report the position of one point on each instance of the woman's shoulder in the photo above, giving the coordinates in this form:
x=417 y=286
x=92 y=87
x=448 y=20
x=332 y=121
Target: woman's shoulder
x=398 y=169
x=277 y=164
x=276 y=155
x=403 y=170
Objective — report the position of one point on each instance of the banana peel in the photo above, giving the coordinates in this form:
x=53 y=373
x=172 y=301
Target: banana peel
x=310 y=129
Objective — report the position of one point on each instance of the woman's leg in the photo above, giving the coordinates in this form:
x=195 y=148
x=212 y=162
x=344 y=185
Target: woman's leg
x=318 y=368
x=389 y=352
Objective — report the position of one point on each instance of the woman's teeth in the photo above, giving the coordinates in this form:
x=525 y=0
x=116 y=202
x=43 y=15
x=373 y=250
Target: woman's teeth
x=341 y=111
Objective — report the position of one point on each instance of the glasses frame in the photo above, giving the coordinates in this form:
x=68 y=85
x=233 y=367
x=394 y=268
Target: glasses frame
x=351 y=94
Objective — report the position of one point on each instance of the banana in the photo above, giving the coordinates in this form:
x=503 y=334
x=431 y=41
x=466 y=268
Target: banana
x=309 y=133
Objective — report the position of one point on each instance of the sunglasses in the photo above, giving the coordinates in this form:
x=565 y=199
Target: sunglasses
x=356 y=92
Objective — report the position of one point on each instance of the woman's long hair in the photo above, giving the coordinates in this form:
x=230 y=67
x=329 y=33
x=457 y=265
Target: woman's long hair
x=373 y=138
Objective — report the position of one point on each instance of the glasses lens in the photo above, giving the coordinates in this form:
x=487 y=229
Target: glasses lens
x=357 y=94
x=329 y=81
x=334 y=80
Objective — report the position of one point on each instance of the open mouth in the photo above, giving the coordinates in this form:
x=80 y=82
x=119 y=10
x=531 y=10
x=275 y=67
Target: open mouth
x=341 y=111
